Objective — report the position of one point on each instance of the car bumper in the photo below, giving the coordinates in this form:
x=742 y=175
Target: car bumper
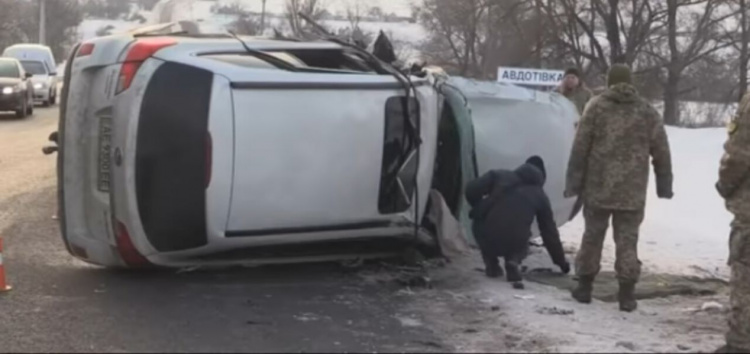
x=41 y=94
x=10 y=102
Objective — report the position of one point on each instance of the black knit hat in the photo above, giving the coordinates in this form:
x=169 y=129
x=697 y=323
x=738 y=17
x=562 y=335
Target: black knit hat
x=573 y=71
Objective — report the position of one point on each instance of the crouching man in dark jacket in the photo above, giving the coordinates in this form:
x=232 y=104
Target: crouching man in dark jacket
x=504 y=204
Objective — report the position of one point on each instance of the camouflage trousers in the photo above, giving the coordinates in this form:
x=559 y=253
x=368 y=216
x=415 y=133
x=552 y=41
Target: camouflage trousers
x=626 y=224
x=739 y=298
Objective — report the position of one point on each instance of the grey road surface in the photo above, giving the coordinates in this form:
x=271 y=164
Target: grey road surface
x=60 y=304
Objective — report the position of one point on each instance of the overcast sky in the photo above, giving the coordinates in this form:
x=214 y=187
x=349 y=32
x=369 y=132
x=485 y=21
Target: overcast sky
x=400 y=7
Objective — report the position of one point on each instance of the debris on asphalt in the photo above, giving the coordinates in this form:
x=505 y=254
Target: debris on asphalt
x=554 y=311
x=495 y=308
x=428 y=343
x=352 y=263
x=524 y=297
x=307 y=317
x=627 y=345
x=712 y=306
x=187 y=270
x=409 y=322
x=683 y=347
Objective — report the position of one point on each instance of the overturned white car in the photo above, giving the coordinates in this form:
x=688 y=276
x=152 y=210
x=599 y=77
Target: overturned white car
x=185 y=150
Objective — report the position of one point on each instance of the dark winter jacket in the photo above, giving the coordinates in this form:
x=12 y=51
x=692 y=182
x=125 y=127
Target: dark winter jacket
x=504 y=205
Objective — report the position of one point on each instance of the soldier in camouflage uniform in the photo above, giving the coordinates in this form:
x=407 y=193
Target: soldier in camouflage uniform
x=573 y=89
x=609 y=170
x=734 y=186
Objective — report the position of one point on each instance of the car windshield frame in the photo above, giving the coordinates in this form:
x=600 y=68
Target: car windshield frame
x=9 y=70
x=36 y=63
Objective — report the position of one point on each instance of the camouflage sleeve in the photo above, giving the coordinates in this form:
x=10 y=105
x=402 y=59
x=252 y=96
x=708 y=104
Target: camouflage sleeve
x=662 y=157
x=580 y=153
x=735 y=164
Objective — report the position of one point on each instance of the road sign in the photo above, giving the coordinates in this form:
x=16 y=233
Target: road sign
x=532 y=77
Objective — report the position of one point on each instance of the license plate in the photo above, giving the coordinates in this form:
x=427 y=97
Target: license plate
x=105 y=153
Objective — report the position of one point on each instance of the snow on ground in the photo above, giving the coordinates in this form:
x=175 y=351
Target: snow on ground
x=477 y=314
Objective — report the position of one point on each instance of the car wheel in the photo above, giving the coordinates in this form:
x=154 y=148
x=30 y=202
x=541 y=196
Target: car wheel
x=23 y=112
x=47 y=103
x=53 y=98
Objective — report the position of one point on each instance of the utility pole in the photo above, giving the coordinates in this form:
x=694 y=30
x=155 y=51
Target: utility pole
x=263 y=18
x=42 y=22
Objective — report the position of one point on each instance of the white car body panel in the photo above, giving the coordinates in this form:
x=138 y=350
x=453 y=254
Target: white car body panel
x=512 y=124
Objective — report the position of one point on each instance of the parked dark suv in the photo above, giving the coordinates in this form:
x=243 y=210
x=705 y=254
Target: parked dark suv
x=16 y=90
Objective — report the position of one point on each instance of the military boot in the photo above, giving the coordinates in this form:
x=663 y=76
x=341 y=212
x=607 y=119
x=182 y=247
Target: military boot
x=626 y=296
x=582 y=293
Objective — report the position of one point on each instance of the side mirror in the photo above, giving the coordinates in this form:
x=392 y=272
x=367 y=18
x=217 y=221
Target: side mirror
x=52 y=74
x=29 y=75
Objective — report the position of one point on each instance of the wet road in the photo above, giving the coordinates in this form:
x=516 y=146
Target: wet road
x=61 y=304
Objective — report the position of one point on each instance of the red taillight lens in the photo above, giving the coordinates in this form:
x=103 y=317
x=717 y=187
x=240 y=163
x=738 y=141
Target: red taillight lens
x=127 y=250
x=138 y=53
x=209 y=158
x=85 y=50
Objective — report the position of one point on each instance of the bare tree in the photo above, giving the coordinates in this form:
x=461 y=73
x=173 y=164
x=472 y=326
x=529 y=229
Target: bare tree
x=744 y=52
x=577 y=26
x=355 y=12
x=456 y=33
x=315 y=9
x=693 y=33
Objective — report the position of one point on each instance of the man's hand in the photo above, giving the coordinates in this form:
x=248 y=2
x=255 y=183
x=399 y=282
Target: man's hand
x=664 y=187
x=722 y=190
x=565 y=267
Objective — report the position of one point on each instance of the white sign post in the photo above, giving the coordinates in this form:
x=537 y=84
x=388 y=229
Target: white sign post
x=532 y=77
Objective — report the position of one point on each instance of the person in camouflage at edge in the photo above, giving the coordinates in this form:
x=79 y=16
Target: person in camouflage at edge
x=572 y=88
x=609 y=169
x=734 y=187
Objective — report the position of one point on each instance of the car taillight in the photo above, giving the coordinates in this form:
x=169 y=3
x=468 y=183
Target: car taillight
x=137 y=54
x=127 y=250
x=209 y=158
x=85 y=50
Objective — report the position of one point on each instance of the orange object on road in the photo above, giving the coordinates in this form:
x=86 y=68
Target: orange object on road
x=4 y=287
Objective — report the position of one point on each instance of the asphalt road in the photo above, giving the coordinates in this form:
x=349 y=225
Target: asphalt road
x=60 y=304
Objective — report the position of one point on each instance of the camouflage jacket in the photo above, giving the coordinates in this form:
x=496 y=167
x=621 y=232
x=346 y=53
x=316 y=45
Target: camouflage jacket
x=609 y=163
x=580 y=96
x=734 y=184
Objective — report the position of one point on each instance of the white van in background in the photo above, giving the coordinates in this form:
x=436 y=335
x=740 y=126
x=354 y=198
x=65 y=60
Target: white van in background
x=39 y=61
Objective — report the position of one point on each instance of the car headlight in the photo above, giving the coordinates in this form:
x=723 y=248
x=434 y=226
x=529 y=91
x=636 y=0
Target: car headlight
x=8 y=91
x=38 y=86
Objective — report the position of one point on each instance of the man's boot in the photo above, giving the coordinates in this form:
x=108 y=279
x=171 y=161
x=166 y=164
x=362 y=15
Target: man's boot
x=627 y=296
x=582 y=293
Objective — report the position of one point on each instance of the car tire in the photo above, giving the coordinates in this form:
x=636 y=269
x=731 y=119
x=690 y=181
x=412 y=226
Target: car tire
x=23 y=112
x=47 y=103
x=53 y=98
